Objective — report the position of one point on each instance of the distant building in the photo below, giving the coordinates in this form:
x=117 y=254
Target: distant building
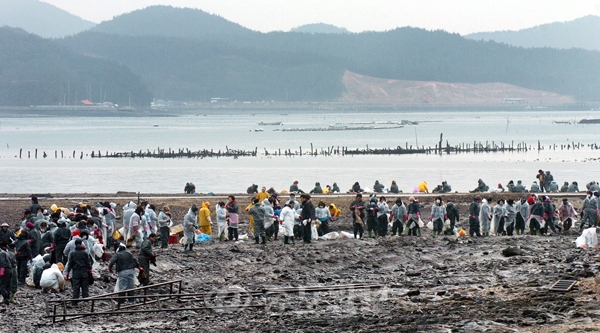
x=514 y=101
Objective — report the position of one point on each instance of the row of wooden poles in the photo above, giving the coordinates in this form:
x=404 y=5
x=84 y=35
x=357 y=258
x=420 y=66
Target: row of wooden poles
x=475 y=147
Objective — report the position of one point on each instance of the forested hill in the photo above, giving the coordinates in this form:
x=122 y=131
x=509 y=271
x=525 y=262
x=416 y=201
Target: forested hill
x=169 y=21
x=580 y=33
x=41 y=18
x=299 y=66
x=36 y=71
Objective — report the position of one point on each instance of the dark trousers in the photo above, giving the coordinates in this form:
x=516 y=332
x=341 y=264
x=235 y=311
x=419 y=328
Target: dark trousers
x=298 y=231
x=358 y=230
x=80 y=282
x=324 y=228
x=5 y=282
x=398 y=227
x=37 y=276
x=383 y=225
x=59 y=253
x=520 y=222
x=164 y=237
x=233 y=233
x=510 y=228
x=372 y=224
x=22 y=269
x=474 y=227
x=307 y=232
x=145 y=263
x=500 y=227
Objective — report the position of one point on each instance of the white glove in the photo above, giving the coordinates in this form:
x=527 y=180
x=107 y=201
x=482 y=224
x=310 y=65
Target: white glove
x=170 y=224
x=304 y=222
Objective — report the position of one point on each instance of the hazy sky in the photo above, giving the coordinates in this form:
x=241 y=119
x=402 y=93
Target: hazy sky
x=462 y=16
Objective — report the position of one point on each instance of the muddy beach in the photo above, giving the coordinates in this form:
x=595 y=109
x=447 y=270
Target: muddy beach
x=441 y=284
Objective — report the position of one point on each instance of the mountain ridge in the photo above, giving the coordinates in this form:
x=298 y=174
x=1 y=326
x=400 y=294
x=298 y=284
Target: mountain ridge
x=41 y=18
x=583 y=33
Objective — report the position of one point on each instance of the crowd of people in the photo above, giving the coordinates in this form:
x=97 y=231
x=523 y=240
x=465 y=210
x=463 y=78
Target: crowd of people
x=51 y=245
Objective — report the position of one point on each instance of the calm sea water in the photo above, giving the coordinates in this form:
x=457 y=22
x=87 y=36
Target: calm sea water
x=218 y=130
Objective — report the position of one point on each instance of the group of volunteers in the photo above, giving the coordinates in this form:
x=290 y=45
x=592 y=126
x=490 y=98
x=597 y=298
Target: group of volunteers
x=58 y=243
x=65 y=243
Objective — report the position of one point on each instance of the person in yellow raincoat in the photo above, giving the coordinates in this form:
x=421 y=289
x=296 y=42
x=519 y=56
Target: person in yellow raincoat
x=262 y=195
x=251 y=218
x=423 y=188
x=334 y=211
x=327 y=190
x=204 y=219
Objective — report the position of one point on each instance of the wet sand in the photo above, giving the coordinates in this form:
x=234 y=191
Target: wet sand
x=430 y=284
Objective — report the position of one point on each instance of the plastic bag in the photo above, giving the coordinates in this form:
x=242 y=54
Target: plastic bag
x=314 y=232
x=447 y=225
x=344 y=234
x=430 y=225
x=588 y=238
x=330 y=236
x=183 y=240
x=203 y=238
x=462 y=232
x=243 y=237
x=421 y=224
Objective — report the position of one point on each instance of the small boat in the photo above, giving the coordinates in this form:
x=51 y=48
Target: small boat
x=589 y=121
x=155 y=125
x=259 y=130
x=275 y=123
x=562 y=122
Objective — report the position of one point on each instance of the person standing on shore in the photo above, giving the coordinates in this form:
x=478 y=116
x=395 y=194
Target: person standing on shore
x=438 y=216
x=474 y=212
x=307 y=216
x=268 y=219
x=357 y=209
x=414 y=217
x=80 y=263
x=289 y=216
x=258 y=213
x=232 y=213
x=125 y=264
x=522 y=209
x=509 y=218
x=23 y=251
x=535 y=216
x=590 y=211
x=398 y=217
x=262 y=195
x=221 y=214
x=453 y=216
x=567 y=213
x=204 y=219
x=164 y=223
x=499 y=215
x=189 y=228
x=485 y=217
x=382 y=217
x=147 y=256
x=6 y=272
x=541 y=180
x=372 y=225
x=324 y=216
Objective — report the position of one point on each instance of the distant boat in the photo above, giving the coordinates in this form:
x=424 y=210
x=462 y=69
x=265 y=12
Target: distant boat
x=155 y=125
x=275 y=123
x=563 y=122
x=259 y=130
x=589 y=121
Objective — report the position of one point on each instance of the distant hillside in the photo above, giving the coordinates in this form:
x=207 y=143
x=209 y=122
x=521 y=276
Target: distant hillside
x=169 y=21
x=41 y=18
x=580 y=33
x=185 y=63
x=36 y=71
x=320 y=28
x=360 y=88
